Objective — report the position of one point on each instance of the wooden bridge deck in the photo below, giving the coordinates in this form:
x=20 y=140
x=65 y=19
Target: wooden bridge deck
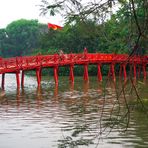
x=38 y=62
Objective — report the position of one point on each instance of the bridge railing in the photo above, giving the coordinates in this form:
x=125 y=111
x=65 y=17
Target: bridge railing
x=32 y=62
x=100 y=57
x=8 y=62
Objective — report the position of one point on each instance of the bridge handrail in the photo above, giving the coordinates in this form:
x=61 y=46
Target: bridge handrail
x=72 y=58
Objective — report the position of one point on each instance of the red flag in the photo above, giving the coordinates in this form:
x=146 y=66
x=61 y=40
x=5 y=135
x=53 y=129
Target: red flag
x=54 y=27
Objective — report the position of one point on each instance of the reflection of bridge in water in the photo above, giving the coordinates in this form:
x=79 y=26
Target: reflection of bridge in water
x=67 y=94
x=38 y=62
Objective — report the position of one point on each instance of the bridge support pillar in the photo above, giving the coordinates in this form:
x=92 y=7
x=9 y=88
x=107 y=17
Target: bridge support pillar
x=18 y=79
x=71 y=76
x=38 y=75
x=99 y=72
x=123 y=68
x=134 y=71
x=56 y=74
x=124 y=71
x=120 y=70
x=112 y=72
x=144 y=71
x=139 y=71
x=22 y=78
x=3 y=81
x=85 y=76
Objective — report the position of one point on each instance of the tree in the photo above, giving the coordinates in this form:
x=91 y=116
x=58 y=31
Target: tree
x=2 y=39
x=135 y=11
x=73 y=38
x=21 y=37
x=125 y=29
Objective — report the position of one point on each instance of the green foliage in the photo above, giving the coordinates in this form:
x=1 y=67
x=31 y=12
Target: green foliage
x=20 y=37
x=114 y=36
x=118 y=34
x=126 y=29
x=73 y=38
x=111 y=37
x=44 y=51
x=2 y=39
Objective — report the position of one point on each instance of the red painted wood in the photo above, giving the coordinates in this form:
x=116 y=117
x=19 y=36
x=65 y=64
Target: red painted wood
x=85 y=76
x=38 y=77
x=113 y=72
x=56 y=74
x=71 y=76
x=40 y=73
x=99 y=72
x=139 y=71
x=124 y=72
x=22 y=78
x=134 y=71
x=144 y=71
x=15 y=64
x=18 y=79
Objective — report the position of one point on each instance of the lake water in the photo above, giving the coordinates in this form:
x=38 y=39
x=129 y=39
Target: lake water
x=68 y=116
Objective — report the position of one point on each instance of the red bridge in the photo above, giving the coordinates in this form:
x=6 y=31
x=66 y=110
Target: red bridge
x=38 y=62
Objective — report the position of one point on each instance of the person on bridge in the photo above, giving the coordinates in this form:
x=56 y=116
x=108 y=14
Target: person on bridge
x=61 y=55
x=61 y=52
x=85 y=52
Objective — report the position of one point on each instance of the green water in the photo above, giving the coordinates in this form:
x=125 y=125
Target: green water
x=73 y=115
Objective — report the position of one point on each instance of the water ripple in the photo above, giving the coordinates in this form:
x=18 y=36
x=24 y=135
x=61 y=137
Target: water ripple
x=79 y=113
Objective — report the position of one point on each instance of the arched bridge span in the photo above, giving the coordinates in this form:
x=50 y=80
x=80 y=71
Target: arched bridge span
x=16 y=65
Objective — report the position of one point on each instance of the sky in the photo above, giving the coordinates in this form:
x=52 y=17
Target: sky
x=12 y=10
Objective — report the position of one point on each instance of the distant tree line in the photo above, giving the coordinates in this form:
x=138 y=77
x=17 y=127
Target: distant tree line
x=20 y=37
x=122 y=31
x=117 y=33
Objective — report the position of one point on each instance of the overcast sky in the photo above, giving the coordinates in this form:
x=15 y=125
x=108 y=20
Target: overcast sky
x=11 y=10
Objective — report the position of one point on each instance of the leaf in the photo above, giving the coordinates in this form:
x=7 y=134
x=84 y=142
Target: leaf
x=52 y=12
